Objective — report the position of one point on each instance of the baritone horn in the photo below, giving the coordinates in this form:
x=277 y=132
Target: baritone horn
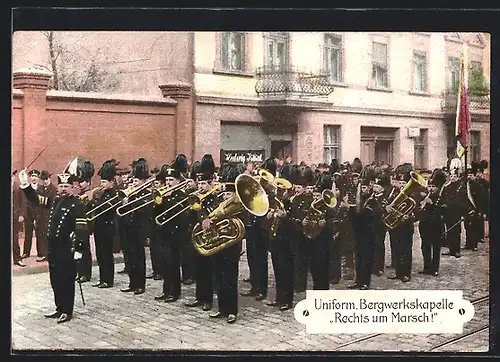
x=405 y=202
x=315 y=220
x=227 y=229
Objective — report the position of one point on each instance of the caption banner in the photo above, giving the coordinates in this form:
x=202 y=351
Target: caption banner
x=384 y=311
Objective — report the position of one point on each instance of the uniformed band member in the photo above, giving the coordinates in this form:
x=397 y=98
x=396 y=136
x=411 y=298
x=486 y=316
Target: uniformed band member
x=66 y=217
x=281 y=246
x=474 y=220
x=47 y=189
x=301 y=203
x=318 y=248
x=431 y=225
x=204 y=270
x=174 y=232
x=367 y=210
x=32 y=215
x=257 y=245
x=124 y=181
x=104 y=225
x=84 y=265
x=485 y=185
x=379 y=187
x=155 y=247
x=402 y=236
x=136 y=231
x=453 y=193
x=226 y=261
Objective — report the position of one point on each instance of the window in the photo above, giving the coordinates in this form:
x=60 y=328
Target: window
x=233 y=51
x=420 y=148
x=475 y=147
x=331 y=143
x=379 y=65
x=332 y=57
x=276 y=56
x=453 y=74
x=419 y=72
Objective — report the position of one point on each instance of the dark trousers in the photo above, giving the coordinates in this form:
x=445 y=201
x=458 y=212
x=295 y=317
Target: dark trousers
x=431 y=237
x=104 y=238
x=283 y=267
x=257 y=254
x=122 y=232
x=335 y=269
x=155 y=252
x=473 y=228
x=42 y=244
x=301 y=261
x=392 y=244
x=136 y=259
x=379 y=257
x=84 y=266
x=365 y=254
x=187 y=258
x=403 y=243
x=172 y=265
x=62 y=272
x=29 y=226
x=453 y=235
x=16 y=249
x=319 y=260
x=226 y=264
x=204 y=278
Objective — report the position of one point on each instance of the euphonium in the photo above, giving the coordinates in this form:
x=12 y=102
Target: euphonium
x=192 y=201
x=316 y=216
x=405 y=202
x=227 y=229
x=283 y=184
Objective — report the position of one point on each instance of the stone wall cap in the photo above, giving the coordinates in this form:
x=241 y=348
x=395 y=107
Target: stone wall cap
x=32 y=71
x=110 y=97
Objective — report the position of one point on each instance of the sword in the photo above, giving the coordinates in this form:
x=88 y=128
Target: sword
x=32 y=162
x=453 y=226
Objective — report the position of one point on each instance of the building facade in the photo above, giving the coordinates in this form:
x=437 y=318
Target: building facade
x=313 y=96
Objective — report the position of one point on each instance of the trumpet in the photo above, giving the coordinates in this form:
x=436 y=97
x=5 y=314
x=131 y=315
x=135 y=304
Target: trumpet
x=193 y=201
x=85 y=196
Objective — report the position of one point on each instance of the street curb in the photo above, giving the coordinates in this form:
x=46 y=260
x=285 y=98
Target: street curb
x=45 y=268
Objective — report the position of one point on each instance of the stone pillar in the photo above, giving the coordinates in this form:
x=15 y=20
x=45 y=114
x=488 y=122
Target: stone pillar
x=34 y=84
x=184 y=127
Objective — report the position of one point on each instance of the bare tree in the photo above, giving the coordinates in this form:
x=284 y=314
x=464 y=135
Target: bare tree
x=77 y=68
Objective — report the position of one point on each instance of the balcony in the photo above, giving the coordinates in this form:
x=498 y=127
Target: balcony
x=479 y=101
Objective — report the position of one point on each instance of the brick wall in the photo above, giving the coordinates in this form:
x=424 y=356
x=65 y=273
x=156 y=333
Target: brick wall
x=94 y=126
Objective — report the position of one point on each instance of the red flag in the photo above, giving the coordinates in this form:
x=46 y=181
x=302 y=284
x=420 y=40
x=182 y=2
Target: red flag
x=463 y=115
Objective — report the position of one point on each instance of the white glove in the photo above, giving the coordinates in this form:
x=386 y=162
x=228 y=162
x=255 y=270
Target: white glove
x=77 y=255
x=23 y=178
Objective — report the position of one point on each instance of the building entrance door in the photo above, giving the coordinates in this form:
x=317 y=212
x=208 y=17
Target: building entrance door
x=367 y=152
x=281 y=149
x=383 y=152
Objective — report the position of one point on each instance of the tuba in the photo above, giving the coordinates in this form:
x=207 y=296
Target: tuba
x=405 y=202
x=316 y=215
x=227 y=229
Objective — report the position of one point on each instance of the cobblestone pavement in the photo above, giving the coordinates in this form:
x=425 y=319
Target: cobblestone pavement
x=114 y=320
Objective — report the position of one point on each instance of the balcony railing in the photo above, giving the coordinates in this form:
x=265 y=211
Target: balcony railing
x=291 y=81
x=477 y=101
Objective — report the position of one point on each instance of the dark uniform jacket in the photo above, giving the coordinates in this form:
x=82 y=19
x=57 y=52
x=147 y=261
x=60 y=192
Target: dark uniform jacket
x=67 y=225
x=140 y=219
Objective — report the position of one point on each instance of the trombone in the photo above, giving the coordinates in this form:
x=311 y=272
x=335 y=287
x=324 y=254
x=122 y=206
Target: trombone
x=193 y=200
x=85 y=195
x=125 y=194
x=103 y=208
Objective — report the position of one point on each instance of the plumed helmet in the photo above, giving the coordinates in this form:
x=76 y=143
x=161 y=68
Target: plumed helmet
x=140 y=169
x=108 y=170
x=194 y=170
x=180 y=163
x=88 y=171
x=306 y=177
x=287 y=172
x=230 y=172
x=270 y=165
x=438 y=177
x=76 y=168
x=455 y=166
x=207 y=167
